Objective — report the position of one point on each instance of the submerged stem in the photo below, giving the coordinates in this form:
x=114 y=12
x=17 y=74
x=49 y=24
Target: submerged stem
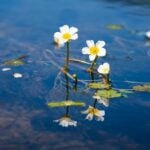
x=67 y=93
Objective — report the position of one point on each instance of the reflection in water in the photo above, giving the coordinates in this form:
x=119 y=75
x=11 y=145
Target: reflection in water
x=66 y=121
x=25 y=121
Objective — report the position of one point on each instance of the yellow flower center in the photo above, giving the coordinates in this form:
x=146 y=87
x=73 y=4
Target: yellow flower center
x=66 y=36
x=93 y=111
x=94 y=50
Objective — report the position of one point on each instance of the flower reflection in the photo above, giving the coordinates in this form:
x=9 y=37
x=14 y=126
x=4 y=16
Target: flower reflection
x=91 y=112
x=65 y=35
x=66 y=121
x=94 y=50
x=102 y=100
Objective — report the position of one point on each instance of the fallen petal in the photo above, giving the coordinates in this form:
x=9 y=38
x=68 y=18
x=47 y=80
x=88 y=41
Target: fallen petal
x=17 y=75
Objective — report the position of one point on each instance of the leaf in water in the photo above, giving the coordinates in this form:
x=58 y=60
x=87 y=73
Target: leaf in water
x=114 y=26
x=16 y=62
x=142 y=88
x=65 y=103
x=99 y=85
x=108 y=93
x=125 y=91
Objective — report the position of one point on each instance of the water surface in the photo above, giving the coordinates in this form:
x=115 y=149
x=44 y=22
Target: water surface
x=26 y=28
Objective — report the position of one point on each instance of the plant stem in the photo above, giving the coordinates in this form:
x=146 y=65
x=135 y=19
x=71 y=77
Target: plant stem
x=67 y=56
x=93 y=63
x=67 y=93
x=94 y=104
x=67 y=110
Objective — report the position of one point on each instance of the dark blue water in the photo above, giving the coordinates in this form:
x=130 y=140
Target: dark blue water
x=26 y=28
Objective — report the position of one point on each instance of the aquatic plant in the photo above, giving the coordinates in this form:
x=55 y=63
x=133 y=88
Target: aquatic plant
x=102 y=87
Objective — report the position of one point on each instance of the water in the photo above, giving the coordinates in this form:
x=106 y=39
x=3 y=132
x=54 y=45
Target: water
x=26 y=28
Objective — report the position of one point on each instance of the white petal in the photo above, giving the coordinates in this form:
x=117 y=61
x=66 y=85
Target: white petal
x=85 y=111
x=6 y=69
x=85 y=50
x=100 y=43
x=74 y=37
x=64 y=29
x=73 y=123
x=57 y=35
x=102 y=52
x=56 y=120
x=90 y=43
x=100 y=118
x=99 y=68
x=96 y=97
x=73 y=30
x=89 y=116
x=102 y=112
x=147 y=34
x=104 y=101
x=106 y=65
x=92 y=57
x=17 y=75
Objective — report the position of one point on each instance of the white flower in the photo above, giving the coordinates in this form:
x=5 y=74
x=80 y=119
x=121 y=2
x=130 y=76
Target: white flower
x=91 y=112
x=66 y=121
x=93 y=49
x=66 y=34
x=102 y=100
x=104 y=68
x=147 y=34
x=17 y=75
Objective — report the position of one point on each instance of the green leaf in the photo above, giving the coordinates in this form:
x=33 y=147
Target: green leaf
x=108 y=93
x=65 y=103
x=142 y=88
x=99 y=85
x=125 y=91
x=16 y=62
x=114 y=26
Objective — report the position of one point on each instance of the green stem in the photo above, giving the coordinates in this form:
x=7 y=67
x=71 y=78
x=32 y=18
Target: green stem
x=94 y=104
x=93 y=63
x=67 y=94
x=67 y=56
x=67 y=110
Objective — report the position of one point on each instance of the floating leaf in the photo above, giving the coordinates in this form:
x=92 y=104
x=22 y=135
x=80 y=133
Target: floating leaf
x=99 y=85
x=114 y=26
x=125 y=91
x=108 y=93
x=65 y=103
x=16 y=62
x=142 y=88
